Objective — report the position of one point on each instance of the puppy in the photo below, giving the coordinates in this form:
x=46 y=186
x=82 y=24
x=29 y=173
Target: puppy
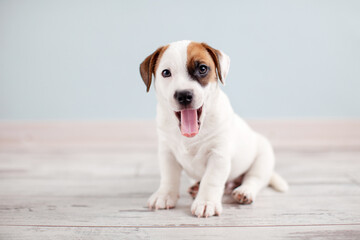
x=200 y=133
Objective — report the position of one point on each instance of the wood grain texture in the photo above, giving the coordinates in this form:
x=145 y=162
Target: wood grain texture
x=66 y=180
x=186 y=233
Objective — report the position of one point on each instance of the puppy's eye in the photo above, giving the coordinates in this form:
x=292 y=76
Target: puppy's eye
x=166 y=73
x=203 y=69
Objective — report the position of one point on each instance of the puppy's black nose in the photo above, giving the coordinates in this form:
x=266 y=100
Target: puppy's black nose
x=184 y=97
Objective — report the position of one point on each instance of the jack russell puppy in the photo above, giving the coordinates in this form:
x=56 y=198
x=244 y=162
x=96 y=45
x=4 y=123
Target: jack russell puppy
x=198 y=132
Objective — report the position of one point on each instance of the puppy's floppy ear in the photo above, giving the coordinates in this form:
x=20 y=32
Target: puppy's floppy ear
x=147 y=67
x=221 y=60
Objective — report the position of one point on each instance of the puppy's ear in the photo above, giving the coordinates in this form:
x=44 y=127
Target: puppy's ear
x=221 y=60
x=147 y=67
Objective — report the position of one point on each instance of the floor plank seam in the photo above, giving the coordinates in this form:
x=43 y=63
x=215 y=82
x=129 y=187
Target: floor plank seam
x=354 y=181
x=181 y=226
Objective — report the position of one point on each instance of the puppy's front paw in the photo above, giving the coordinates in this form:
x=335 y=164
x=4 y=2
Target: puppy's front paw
x=243 y=195
x=206 y=208
x=162 y=200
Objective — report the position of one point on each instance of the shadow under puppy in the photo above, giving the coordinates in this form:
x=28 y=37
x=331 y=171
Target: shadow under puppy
x=200 y=133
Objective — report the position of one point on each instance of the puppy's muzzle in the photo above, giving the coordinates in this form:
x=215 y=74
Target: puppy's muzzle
x=184 y=97
x=189 y=117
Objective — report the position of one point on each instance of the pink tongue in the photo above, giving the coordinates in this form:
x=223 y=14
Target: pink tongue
x=189 y=124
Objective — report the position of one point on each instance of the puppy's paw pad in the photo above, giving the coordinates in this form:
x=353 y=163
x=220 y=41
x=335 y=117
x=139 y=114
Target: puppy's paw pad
x=162 y=200
x=206 y=208
x=243 y=196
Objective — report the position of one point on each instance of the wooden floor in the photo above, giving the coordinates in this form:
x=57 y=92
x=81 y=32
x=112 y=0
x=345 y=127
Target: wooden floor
x=91 y=180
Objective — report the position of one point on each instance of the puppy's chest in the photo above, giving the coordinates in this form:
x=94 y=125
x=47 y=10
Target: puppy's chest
x=192 y=158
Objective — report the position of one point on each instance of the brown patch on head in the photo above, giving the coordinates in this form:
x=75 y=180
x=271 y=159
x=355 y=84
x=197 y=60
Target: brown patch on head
x=150 y=64
x=200 y=55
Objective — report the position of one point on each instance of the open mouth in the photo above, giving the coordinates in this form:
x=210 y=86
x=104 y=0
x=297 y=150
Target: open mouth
x=189 y=120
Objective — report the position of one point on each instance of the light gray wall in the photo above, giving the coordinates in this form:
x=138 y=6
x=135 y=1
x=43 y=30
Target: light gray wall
x=80 y=59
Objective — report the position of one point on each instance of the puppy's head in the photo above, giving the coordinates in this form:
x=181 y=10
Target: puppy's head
x=186 y=73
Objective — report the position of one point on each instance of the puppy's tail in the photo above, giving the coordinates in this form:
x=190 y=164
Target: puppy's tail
x=278 y=183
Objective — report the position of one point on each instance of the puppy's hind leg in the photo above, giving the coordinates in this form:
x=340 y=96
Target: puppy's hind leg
x=194 y=189
x=259 y=174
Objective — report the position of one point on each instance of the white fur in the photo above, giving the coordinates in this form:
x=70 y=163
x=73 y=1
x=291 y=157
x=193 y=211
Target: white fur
x=224 y=148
